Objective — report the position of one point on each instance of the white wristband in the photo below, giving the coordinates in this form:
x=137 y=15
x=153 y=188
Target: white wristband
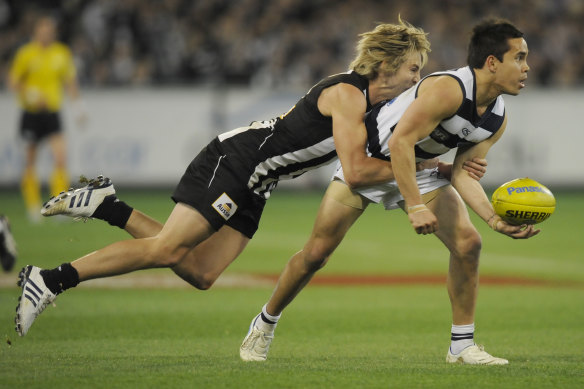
x=417 y=208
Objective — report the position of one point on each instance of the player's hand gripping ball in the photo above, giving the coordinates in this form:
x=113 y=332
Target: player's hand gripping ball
x=523 y=201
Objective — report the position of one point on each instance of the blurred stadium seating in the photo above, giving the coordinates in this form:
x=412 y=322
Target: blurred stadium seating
x=279 y=42
x=244 y=60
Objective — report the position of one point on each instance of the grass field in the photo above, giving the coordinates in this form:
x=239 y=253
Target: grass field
x=369 y=336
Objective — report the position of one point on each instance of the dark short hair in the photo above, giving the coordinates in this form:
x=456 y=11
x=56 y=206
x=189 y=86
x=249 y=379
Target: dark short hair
x=490 y=37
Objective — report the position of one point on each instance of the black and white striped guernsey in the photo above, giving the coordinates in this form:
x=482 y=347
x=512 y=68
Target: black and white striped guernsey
x=464 y=127
x=287 y=146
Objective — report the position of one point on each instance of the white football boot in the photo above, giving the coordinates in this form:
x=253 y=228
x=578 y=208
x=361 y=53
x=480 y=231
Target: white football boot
x=34 y=299
x=80 y=203
x=474 y=355
x=256 y=344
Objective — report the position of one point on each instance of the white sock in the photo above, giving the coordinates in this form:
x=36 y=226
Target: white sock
x=266 y=322
x=462 y=337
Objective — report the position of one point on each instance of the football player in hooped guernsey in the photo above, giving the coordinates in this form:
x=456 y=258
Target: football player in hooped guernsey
x=460 y=109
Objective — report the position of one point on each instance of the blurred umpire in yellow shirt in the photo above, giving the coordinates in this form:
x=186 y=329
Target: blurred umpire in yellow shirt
x=40 y=71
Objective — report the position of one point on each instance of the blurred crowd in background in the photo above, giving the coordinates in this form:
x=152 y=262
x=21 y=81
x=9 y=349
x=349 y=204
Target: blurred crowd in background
x=279 y=42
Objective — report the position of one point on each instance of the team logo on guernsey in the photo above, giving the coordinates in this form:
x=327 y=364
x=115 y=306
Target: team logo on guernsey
x=225 y=206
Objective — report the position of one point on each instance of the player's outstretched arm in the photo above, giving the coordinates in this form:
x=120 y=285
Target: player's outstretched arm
x=474 y=195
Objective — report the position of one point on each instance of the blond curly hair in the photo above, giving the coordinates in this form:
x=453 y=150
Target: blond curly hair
x=390 y=43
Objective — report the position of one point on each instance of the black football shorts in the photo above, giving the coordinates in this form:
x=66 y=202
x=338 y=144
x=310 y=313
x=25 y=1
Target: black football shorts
x=213 y=189
x=34 y=127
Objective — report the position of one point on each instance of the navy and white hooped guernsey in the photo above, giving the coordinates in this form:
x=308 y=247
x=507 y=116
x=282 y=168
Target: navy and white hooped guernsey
x=463 y=128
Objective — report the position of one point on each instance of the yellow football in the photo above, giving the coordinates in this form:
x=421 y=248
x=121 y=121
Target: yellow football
x=523 y=201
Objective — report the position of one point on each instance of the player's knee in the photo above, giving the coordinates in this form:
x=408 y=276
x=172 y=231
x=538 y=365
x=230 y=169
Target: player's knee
x=162 y=254
x=194 y=276
x=316 y=255
x=317 y=264
x=469 y=246
x=203 y=281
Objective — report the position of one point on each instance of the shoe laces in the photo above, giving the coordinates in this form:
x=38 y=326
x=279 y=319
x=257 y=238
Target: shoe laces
x=94 y=182
x=479 y=352
x=251 y=339
x=256 y=335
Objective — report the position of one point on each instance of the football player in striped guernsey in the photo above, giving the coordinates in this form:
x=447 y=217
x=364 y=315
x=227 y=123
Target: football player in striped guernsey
x=460 y=109
x=221 y=196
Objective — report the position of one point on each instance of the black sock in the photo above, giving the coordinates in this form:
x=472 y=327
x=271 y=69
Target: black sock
x=113 y=211
x=60 y=278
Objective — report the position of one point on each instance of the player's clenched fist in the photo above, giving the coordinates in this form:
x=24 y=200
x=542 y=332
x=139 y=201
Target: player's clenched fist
x=422 y=219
